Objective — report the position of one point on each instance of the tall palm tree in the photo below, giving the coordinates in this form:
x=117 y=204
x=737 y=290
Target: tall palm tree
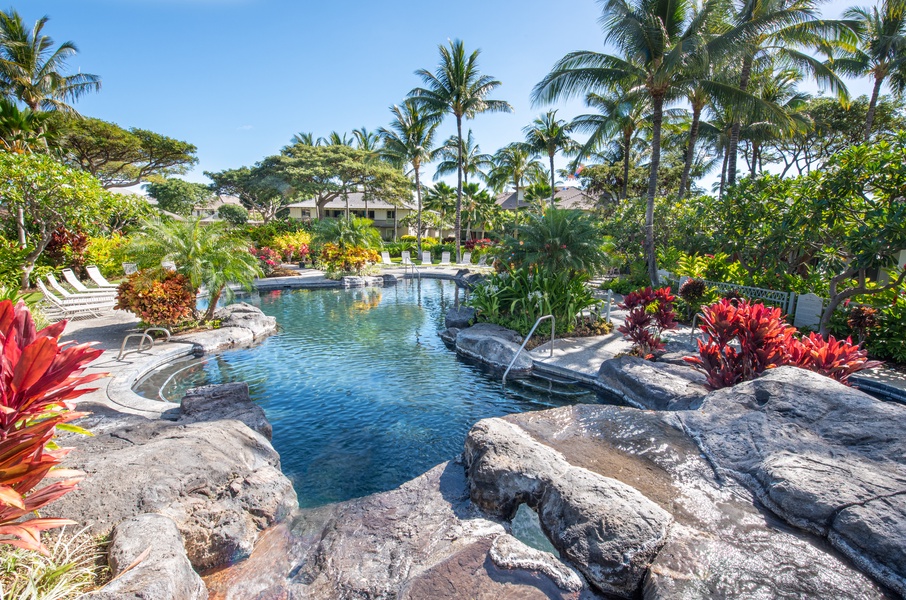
x=661 y=43
x=305 y=138
x=474 y=162
x=441 y=198
x=621 y=113
x=881 y=54
x=780 y=29
x=33 y=71
x=409 y=142
x=367 y=140
x=457 y=87
x=550 y=135
x=514 y=163
x=335 y=138
x=211 y=256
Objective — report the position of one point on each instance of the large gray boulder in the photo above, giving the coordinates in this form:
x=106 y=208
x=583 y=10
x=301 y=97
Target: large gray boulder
x=224 y=401
x=459 y=317
x=422 y=540
x=823 y=456
x=656 y=386
x=493 y=345
x=246 y=316
x=219 y=481
x=720 y=544
x=608 y=530
x=148 y=562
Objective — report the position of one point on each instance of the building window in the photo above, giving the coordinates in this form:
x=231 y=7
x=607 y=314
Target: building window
x=371 y=215
x=357 y=213
x=337 y=214
x=306 y=214
x=391 y=214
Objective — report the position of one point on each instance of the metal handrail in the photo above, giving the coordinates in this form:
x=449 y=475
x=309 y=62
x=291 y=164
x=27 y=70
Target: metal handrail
x=162 y=329
x=528 y=337
x=141 y=344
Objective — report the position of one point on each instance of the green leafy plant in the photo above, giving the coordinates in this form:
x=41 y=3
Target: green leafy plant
x=108 y=253
x=158 y=297
x=234 y=214
x=12 y=257
x=38 y=379
x=351 y=260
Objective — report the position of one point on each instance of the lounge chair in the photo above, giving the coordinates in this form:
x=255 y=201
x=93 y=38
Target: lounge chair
x=77 y=285
x=72 y=310
x=385 y=258
x=444 y=259
x=426 y=258
x=129 y=268
x=406 y=260
x=168 y=265
x=96 y=277
x=482 y=260
x=98 y=295
x=466 y=259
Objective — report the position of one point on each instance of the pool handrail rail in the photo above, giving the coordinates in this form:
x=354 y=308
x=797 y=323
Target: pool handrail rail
x=528 y=337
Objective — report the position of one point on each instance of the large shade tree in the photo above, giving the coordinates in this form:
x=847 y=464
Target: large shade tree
x=409 y=141
x=457 y=87
x=259 y=188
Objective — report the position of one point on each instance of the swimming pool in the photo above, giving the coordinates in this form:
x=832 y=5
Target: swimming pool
x=361 y=392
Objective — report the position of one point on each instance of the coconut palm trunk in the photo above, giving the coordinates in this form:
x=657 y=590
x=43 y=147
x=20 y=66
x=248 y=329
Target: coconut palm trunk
x=744 y=76
x=212 y=305
x=657 y=119
x=873 y=104
x=418 y=196
x=551 y=156
x=458 y=188
x=690 y=150
x=627 y=141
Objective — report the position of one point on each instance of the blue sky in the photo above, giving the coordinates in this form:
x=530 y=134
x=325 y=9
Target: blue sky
x=238 y=78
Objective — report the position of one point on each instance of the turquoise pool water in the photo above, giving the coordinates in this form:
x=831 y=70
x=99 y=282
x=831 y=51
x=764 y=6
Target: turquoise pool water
x=361 y=392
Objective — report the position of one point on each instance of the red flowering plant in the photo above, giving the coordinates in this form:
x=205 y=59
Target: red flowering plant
x=268 y=258
x=38 y=380
x=650 y=315
x=298 y=253
x=746 y=339
x=478 y=244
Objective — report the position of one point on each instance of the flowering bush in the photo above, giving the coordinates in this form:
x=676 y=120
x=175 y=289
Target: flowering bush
x=67 y=248
x=293 y=246
x=160 y=298
x=355 y=259
x=268 y=259
x=478 y=244
x=650 y=315
x=745 y=339
x=38 y=378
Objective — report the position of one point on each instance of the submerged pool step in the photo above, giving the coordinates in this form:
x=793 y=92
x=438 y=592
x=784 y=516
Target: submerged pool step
x=554 y=378
x=553 y=388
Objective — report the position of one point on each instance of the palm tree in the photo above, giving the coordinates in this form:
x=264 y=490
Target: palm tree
x=366 y=140
x=210 y=256
x=32 y=71
x=549 y=135
x=559 y=241
x=457 y=87
x=621 y=113
x=353 y=233
x=514 y=163
x=21 y=131
x=882 y=51
x=474 y=162
x=408 y=142
x=778 y=29
x=336 y=139
x=305 y=138
x=661 y=42
x=441 y=198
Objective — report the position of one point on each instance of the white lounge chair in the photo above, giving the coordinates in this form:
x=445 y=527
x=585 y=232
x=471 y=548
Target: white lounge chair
x=444 y=258
x=385 y=258
x=67 y=295
x=71 y=310
x=426 y=258
x=77 y=285
x=406 y=259
x=130 y=268
x=96 y=277
x=466 y=259
x=168 y=265
x=482 y=261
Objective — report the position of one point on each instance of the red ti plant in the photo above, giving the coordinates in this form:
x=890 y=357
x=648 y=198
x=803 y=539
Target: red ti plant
x=650 y=315
x=744 y=340
x=38 y=378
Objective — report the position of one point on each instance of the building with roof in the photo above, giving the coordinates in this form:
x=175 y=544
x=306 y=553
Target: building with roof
x=386 y=216
x=567 y=197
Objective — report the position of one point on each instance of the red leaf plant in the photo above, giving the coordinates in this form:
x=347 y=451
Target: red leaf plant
x=650 y=315
x=745 y=340
x=38 y=379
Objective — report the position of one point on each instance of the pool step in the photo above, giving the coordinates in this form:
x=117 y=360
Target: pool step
x=554 y=378
x=553 y=388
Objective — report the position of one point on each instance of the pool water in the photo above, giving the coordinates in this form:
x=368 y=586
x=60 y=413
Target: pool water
x=361 y=392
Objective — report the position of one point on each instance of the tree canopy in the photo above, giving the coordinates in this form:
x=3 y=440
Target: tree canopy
x=178 y=196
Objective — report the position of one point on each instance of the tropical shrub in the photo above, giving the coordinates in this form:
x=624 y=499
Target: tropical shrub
x=293 y=246
x=650 y=315
x=12 y=257
x=478 y=244
x=881 y=324
x=265 y=234
x=349 y=233
x=66 y=248
x=268 y=259
x=516 y=298
x=158 y=297
x=38 y=379
x=745 y=339
x=108 y=253
x=862 y=320
x=353 y=260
